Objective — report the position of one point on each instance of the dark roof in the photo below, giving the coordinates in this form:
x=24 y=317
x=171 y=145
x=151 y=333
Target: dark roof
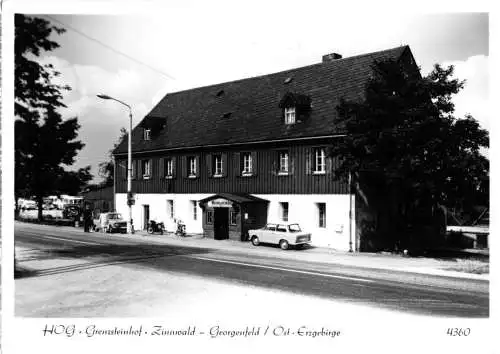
x=236 y=198
x=200 y=116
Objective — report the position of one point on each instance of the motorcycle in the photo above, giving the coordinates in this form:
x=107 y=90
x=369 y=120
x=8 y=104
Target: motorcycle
x=154 y=226
x=181 y=229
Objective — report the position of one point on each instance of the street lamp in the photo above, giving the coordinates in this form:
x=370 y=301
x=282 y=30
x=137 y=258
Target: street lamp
x=129 y=169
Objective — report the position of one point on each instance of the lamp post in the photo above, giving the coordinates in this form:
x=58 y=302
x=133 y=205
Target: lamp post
x=129 y=168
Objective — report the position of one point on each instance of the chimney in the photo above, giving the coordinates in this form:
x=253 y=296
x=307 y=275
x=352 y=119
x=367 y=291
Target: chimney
x=327 y=58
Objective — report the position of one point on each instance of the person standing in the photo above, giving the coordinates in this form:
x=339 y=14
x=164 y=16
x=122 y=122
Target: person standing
x=87 y=218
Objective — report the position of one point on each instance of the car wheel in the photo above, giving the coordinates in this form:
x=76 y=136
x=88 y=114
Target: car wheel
x=284 y=244
x=255 y=241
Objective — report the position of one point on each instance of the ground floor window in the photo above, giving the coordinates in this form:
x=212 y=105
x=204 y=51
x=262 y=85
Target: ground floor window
x=210 y=217
x=232 y=217
x=321 y=214
x=284 y=211
x=195 y=210
x=170 y=208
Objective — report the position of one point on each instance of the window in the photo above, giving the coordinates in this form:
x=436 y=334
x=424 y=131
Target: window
x=284 y=211
x=170 y=209
x=147 y=134
x=281 y=228
x=217 y=165
x=247 y=163
x=271 y=227
x=191 y=166
x=232 y=217
x=289 y=115
x=321 y=214
x=210 y=217
x=169 y=167
x=146 y=169
x=195 y=210
x=319 y=165
x=283 y=162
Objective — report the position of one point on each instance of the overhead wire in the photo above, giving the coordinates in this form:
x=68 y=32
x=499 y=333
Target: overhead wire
x=110 y=48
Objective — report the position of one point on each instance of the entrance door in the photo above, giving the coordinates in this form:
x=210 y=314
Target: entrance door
x=146 y=217
x=221 y=223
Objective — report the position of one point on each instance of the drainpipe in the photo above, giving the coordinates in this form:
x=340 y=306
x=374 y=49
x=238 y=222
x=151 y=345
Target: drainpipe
x=350 y=212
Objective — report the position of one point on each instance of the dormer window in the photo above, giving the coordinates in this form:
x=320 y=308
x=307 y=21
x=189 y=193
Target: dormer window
x=290 y=115
x=147 y=134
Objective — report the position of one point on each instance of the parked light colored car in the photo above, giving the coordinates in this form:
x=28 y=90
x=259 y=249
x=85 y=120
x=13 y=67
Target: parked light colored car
x=282 y=234
x=110 y=222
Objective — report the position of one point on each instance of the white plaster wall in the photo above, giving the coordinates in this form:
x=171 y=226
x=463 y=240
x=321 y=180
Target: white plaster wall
x=158 y=209
x=301 y=209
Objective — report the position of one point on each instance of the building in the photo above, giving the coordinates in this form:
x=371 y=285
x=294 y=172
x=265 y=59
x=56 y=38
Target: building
x=232 y=156
x=100 y=198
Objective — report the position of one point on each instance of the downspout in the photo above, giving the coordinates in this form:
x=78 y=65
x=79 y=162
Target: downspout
x=114 y=183
x=350 y=212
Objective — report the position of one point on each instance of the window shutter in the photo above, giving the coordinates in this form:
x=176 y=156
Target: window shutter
x=123 y=165
x=291 y=163
x=134 y=169
x=139 y=169
x=152 y=168
x=197 y=164
x=161 y=167
x=224 y=164
x=184 y=167
x=254 y=163
x=174 y=166
x=237 y=164
x=329 y=164
x=209 y=165
x=308 y=154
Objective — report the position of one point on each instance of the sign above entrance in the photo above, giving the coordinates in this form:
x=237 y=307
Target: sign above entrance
x=220 y=203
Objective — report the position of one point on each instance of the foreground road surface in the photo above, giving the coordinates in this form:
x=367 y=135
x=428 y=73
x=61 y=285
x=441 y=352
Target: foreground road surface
x=69 y=273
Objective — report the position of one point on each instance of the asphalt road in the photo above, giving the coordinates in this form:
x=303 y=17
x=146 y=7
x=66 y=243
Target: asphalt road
x=400 y=291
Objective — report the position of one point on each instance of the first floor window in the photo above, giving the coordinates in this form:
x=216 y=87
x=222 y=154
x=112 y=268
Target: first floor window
x=321 y=214
x=195 y=210
x=169 y=167
x=210 y=217
x=147 y=134
x=283 y=161
x=192 y=166
x=247 y=163
x=319 y=161
x=217 y=165
x=170 y=209
x=146 y=168
x=284 y=211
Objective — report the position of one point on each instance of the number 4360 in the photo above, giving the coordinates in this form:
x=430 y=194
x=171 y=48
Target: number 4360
x=458 y=332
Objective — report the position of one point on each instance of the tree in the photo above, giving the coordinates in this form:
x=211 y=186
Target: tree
x=44 y=142
x=107 y=168
x=403 y=139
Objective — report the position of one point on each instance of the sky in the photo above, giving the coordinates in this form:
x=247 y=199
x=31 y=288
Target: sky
x=191 y=46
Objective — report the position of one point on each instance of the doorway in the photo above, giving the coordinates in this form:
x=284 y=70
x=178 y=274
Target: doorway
x=221 y=223
x=146 y=217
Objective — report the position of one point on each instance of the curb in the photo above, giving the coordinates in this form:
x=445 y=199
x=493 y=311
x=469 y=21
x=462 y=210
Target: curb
x=198 y=240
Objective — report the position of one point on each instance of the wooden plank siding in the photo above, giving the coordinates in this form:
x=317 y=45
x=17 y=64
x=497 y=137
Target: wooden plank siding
x=265 y=181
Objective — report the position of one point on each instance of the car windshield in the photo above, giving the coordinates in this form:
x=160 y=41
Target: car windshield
x=294 y=228
x=114 y=216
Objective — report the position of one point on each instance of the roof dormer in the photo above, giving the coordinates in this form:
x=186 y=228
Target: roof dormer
x=295 y=107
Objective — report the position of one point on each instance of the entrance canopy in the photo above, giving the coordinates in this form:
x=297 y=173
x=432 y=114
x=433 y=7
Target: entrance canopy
x=226 y=200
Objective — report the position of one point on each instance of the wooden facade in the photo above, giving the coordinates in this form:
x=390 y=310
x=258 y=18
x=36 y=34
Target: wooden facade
x=265 y=180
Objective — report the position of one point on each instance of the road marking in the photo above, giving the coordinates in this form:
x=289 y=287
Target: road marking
x=280 y=268
x=66 y=239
